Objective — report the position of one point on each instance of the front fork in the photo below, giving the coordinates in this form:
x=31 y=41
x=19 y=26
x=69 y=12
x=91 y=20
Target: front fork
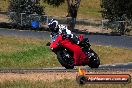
x=88 y=52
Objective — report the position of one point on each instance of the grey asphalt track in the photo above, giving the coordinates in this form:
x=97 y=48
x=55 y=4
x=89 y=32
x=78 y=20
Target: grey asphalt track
x=117 y=66
x=108 y=40
x=108 y=66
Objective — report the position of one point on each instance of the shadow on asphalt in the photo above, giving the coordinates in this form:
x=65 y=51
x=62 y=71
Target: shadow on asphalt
x=15 y=26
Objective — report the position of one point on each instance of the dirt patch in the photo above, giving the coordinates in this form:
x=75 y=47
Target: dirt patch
x=50 y=76
x=92 y=29
x=36 y=76
x=4 y=18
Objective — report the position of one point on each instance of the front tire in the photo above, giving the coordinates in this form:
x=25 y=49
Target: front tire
x=67 y=62
x=94 y=61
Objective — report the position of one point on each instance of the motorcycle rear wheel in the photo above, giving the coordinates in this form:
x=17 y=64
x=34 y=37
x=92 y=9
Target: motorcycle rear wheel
x=65 y=61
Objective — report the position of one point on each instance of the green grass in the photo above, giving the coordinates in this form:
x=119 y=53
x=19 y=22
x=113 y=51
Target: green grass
x=25 y=52
x=88 y=9
x=65 y=83
x=20 y=52
x=111 y=55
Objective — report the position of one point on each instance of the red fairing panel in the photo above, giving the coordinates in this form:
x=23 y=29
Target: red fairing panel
x=79 y=56
x=55 y=43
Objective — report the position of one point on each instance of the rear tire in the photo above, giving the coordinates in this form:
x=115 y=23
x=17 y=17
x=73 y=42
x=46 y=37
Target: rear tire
x=68 y=63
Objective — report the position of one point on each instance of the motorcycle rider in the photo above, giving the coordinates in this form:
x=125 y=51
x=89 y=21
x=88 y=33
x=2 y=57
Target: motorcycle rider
x=62 y=29
x=57 y=29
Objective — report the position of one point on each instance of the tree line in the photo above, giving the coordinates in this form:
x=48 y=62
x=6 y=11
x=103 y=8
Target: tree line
x=113 y=10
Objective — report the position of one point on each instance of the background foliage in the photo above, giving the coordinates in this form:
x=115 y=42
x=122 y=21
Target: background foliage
x=24 y=6
x=116 y=9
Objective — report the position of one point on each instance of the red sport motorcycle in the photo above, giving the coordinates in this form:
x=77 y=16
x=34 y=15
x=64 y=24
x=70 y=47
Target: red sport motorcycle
x=70 y=54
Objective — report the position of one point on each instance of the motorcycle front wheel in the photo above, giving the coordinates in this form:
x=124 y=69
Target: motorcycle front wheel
x=94 y=61
x=65 y=59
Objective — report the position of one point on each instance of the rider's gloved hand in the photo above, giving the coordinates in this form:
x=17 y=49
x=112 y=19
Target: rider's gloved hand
x=64 y=36
x=68 y=36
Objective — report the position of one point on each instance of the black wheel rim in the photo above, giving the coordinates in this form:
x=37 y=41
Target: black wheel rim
x=67 y=57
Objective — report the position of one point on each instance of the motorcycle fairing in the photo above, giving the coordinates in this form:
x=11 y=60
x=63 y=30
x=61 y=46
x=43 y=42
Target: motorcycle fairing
x=78 y=54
